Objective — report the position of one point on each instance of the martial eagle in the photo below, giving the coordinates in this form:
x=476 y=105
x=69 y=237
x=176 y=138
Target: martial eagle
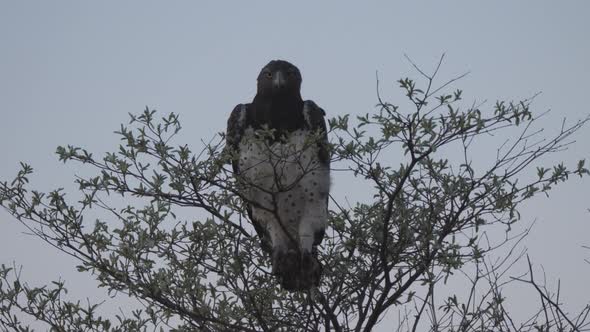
x=281 y=162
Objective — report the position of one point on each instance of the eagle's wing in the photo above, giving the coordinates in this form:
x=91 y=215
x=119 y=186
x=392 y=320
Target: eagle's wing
x=236 y=125
x=314 y=120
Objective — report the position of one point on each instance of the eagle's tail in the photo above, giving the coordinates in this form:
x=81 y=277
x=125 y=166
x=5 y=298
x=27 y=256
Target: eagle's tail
x=299 y=271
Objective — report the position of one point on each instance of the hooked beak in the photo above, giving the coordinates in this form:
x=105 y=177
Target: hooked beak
x=278 y=81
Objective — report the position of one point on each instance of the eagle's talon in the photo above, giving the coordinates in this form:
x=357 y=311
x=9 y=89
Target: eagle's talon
x=307 y=261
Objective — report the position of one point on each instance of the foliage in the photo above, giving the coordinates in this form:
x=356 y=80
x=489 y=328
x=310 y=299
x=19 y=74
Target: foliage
x=423 y=221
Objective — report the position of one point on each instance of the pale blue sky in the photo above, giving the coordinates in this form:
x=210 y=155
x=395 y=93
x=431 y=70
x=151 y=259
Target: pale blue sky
x=70 y=71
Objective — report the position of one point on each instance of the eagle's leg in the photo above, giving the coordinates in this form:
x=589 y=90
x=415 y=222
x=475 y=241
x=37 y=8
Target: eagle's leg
x=280 y=246
x=312 y=224
x=313 y=221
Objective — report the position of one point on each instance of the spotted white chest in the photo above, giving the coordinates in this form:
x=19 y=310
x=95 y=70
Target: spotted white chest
x=287 y=187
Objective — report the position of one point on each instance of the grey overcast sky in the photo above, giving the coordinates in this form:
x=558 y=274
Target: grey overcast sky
x=70 y=71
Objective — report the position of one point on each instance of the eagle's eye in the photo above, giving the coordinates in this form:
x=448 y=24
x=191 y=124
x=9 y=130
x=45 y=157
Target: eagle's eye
x=268 y=74
x=291 y=73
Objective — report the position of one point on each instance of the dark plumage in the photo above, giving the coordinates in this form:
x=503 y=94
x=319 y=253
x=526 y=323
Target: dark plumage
x=285 y=177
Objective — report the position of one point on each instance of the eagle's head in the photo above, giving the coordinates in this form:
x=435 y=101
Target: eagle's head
x=279 y=78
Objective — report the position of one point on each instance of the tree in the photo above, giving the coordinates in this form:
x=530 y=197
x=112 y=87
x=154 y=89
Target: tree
x=423 y=222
